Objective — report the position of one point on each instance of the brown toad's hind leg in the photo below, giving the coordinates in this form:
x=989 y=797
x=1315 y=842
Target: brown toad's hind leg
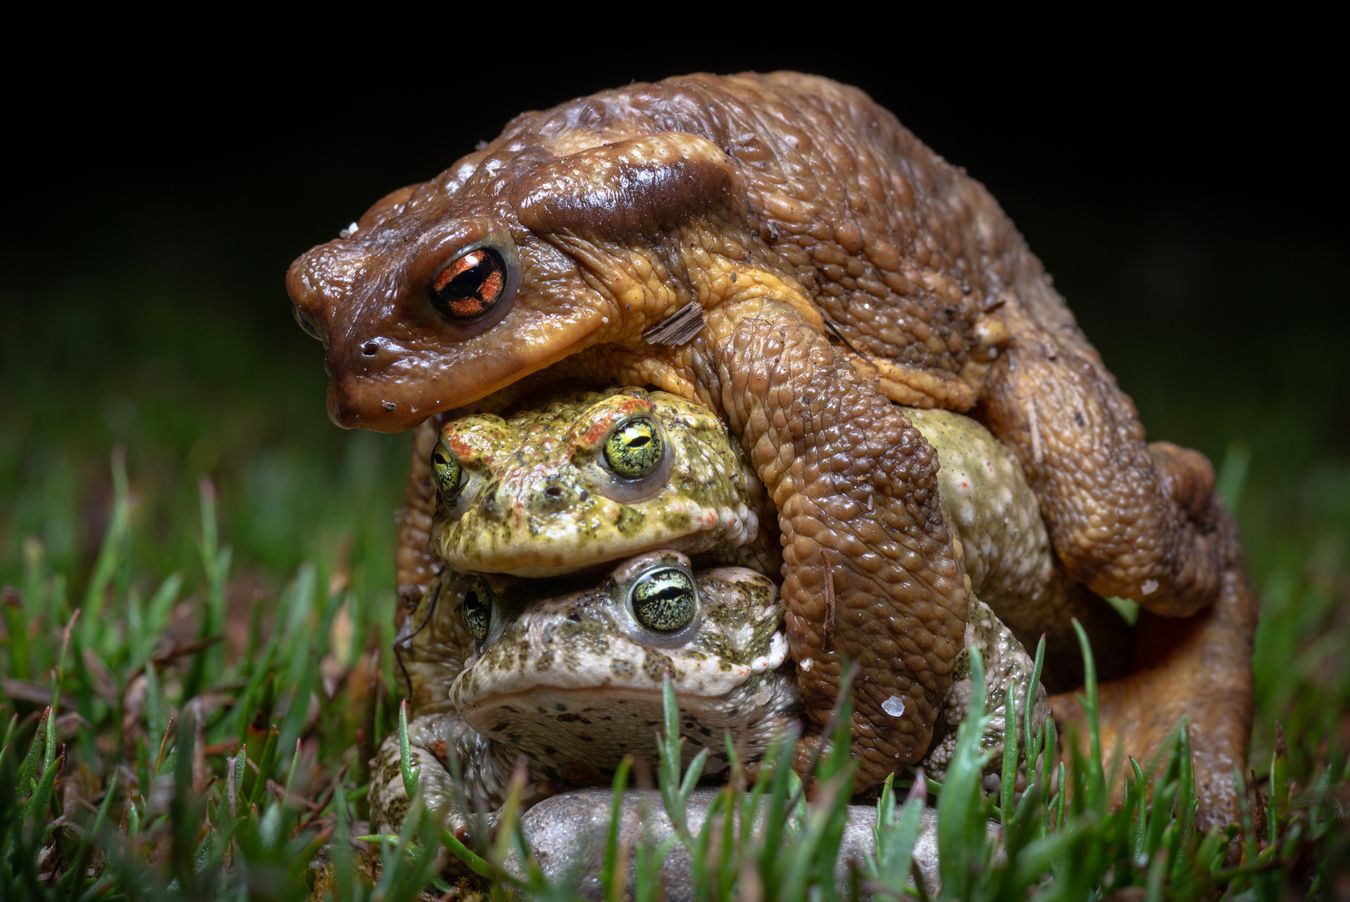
x=871 y=572
x=415 y=565
x=1126 y=518
x=1198 y=667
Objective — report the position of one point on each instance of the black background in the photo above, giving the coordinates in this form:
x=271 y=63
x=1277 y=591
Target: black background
x=1182 y=195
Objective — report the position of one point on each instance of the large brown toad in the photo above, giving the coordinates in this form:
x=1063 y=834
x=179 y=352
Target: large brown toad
x=832 y=264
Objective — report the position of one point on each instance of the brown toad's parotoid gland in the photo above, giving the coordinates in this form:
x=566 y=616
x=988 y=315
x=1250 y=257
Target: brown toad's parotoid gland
x=823 y=264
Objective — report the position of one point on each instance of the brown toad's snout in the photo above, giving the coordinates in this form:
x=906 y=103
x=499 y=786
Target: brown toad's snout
x=325 y=285
x=342 y=297
x=313 y=290
x=304 y=303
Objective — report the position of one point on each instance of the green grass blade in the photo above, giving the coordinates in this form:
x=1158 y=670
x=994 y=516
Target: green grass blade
x=895 y=836
x=113 y=551
x=1008 y=781
x=1095 y=777
x=612 y=875
x=36 y=750
x=961 y=822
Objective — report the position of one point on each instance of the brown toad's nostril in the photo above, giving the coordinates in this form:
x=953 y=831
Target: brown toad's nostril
x=370 y=348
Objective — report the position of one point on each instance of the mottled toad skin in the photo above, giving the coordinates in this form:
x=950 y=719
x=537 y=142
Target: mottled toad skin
x=538 y=497
x=573 y=683
x=838 y=264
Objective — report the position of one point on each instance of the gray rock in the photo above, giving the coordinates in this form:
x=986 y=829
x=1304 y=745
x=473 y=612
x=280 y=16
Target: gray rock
x=567 y=833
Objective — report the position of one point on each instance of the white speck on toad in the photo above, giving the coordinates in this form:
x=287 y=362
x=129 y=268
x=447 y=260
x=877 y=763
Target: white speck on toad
x=807 y=664
x=894 y=706
x=1149 y=587
x=348 y=232
x=776 y=655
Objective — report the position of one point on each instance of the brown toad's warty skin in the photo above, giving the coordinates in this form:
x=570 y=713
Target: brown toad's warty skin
x=840 y=265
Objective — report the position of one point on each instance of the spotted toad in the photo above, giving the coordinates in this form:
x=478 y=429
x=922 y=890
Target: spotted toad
x=573 y=682
x=580 y=479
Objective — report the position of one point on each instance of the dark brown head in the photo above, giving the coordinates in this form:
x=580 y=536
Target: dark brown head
x=542 y=244
x=409 y=302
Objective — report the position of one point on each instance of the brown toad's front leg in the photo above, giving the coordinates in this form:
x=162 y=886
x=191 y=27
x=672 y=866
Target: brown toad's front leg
x=1127 y=518
x=871 y=572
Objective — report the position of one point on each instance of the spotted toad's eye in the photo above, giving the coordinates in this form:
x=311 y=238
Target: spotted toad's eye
x=664 y=599
x=447 y=472
x=634 y=448
x=477 y=607
x=470 y=285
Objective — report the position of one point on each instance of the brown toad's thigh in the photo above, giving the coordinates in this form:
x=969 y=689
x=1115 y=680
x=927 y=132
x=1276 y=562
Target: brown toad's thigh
x=871 y=572
x=1129 y=519
x=415 y=565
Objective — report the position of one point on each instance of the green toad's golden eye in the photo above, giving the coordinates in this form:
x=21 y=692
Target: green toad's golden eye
x=634 y=448
x=478 y=608
x=664 y=600
x=445 y=469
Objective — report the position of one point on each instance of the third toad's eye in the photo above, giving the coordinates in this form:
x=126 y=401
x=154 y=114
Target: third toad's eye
x=634 y=448
x=447 y=472
x=477 y=609
x=664 y=600
x=470 y=285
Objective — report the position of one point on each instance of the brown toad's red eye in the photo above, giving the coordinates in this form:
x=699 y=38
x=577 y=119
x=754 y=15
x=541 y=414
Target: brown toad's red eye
x=469 y=285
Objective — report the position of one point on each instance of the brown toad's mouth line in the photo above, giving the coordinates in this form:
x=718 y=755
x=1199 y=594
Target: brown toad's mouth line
x=517 y=375
x=362 y=407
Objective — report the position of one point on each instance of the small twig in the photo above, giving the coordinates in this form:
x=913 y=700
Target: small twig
x=678 y=328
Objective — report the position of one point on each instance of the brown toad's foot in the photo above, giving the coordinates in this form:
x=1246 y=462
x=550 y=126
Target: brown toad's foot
x=1199 y=668
x=871 y=572
x=1109 y=637
x=1127 y=518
